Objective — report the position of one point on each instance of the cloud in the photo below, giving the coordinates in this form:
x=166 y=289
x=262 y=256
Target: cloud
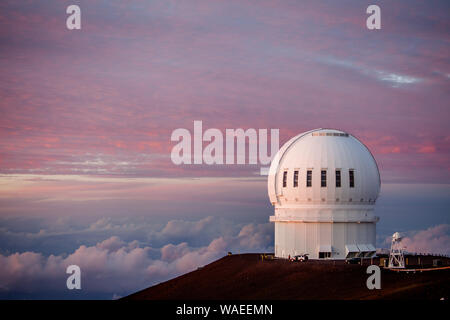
x=172 y=252
x=396 y=79
x=255 y=236
x=427 y=149
x=112 y=244
x=393 y=79
x=115 y=267
x=432 y=240
x=185 y=228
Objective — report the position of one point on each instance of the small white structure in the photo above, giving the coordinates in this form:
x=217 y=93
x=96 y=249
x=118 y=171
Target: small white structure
x=324 y=184
x=396 y=256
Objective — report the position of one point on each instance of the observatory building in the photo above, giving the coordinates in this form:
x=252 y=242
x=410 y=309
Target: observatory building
x=324 y=184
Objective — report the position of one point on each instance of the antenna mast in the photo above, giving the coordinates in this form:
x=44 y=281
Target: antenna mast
x=396 y=257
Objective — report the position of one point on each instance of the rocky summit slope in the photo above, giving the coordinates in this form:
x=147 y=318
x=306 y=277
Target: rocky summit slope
x=247 y=276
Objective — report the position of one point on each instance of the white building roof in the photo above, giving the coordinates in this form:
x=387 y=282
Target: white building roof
x=351 y=248
x=363 y=248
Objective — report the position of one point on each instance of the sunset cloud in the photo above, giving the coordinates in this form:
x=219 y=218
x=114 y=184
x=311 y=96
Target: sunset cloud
x=427 y=149
x=432 y=240
x=113 y=266
x=105 y=100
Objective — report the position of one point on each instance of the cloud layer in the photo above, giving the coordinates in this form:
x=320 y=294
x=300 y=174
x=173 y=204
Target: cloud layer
x=432 y=240
x=115 y=267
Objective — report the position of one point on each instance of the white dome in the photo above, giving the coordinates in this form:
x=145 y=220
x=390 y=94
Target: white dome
x=327 y=154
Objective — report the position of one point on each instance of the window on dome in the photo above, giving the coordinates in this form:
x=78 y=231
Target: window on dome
x=295 y=178
x=352 y=178
x=284 y=179
x=309 y=178
x=323 y=178
x=338 y=178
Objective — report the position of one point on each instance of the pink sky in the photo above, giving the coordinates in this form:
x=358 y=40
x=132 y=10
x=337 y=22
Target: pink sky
x=104 y=100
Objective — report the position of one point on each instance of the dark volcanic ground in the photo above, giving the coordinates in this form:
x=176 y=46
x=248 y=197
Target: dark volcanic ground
x=246 y=276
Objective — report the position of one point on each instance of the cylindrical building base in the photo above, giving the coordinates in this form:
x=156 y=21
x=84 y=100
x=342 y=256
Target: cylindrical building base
x=325 y=240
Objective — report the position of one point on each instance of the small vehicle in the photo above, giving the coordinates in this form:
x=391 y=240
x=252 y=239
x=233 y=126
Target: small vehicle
x=300 y=258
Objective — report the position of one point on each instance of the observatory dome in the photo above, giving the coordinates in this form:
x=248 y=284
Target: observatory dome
x=323 y=184
x=323 y=167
